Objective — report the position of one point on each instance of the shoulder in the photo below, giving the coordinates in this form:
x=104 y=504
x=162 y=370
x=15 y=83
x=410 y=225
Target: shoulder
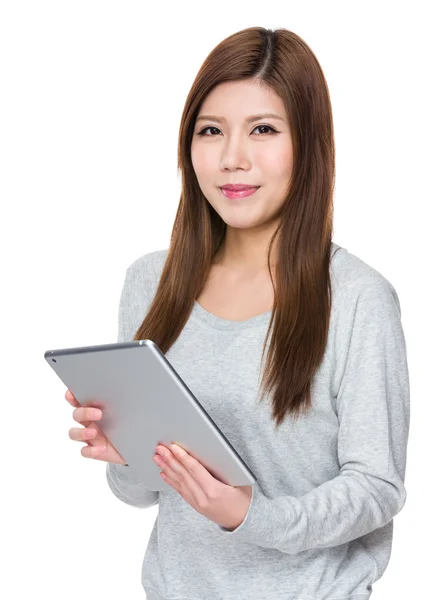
x=141 y=279
x=148 y=265
x=355 y=281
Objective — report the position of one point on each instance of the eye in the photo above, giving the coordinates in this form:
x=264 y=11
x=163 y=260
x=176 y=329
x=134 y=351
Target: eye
x=202 y=132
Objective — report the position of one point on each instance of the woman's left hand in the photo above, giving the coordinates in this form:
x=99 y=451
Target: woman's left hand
x=223 y=504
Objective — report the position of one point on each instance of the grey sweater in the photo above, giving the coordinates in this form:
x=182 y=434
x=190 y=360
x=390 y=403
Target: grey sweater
x=320 y=522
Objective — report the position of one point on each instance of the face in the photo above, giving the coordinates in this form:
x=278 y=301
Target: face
x=234 y=150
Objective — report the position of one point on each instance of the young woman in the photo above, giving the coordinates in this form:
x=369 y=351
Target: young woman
x=246 y=269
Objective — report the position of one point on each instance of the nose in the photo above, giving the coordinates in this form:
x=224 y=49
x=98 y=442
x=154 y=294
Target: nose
x=235 y=154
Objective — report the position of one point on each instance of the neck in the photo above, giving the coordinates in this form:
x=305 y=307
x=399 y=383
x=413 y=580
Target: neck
x=246 y=250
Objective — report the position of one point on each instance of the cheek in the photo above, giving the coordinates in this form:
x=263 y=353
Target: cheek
x=275 y=162
x=202 y=162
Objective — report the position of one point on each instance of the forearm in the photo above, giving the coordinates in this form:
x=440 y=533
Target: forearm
x=128 y=488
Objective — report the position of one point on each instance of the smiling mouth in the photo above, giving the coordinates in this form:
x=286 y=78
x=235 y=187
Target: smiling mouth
x=238 y=187
x=236 y=194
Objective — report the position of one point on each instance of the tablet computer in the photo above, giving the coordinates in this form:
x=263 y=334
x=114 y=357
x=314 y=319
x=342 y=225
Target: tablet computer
x=145 y=402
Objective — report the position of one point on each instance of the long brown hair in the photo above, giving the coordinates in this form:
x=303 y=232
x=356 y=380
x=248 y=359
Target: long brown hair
x=300 y=317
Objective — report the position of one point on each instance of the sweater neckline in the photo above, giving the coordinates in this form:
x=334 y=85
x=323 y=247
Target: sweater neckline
x=202 y=314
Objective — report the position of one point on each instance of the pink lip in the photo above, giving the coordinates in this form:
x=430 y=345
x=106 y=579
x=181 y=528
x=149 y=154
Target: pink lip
x=239 y=193
x=238 y=187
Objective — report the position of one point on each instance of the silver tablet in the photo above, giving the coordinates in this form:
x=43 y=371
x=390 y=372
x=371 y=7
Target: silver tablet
x=145 y=402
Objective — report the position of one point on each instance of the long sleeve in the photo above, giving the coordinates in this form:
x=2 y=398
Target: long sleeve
x=371 y=389
x=123 y=482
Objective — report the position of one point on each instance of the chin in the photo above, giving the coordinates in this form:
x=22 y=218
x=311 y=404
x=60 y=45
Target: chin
x=240 y=223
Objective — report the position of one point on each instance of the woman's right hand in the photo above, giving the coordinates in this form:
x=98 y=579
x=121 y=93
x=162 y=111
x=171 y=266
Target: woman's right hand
x=98 y=445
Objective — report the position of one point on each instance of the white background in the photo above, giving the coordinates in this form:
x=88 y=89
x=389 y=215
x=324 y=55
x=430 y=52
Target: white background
x=90 y=105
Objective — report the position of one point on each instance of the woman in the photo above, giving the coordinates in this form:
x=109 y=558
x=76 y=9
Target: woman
x=329 y=446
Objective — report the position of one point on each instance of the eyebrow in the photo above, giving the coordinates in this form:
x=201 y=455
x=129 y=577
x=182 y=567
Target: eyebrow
x=248 y=120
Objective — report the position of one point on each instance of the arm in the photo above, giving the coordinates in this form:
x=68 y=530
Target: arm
x=371 y=388
x=122 y=481
x=128 y=488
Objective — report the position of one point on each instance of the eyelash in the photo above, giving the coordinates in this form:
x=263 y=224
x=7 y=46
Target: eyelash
x=212 y=127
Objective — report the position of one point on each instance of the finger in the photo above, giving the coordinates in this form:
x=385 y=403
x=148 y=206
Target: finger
x=86 y=414
x=92 y=434
x=198 y=473
x=82 y=434
x=95 y=452
x=71 y=398
x=181 y=471
x=191 y=464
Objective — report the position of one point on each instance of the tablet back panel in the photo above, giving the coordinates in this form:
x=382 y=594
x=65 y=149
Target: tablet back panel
x=145 y=402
